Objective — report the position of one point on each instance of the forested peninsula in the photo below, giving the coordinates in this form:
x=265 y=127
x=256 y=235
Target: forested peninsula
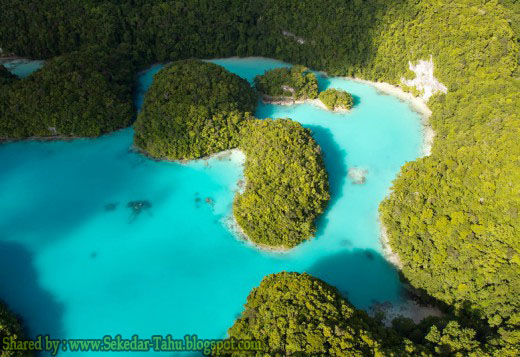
x=452 y=217
x=193 y=109
x=81 y=94
x=297 y=314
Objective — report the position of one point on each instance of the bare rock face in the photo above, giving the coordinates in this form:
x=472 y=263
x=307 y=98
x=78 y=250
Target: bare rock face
x=424 y=80
x=298 y=39
x=357 y=175
x=288 y=89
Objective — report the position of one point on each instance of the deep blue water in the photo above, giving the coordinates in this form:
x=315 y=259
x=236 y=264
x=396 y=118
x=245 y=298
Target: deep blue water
x=76 y=262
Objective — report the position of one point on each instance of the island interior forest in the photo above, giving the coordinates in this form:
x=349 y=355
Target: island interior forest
x=296 y=83
x=452 y=217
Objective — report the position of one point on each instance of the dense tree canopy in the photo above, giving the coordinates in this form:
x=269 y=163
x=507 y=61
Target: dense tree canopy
x=336 y=99
x=295 y=82
x=156 y=30
x=193 y=109
x=296 y=314
x=10 y=327
x=84 y=93
x=286 y=183
x=452 y=217
x=6 y=77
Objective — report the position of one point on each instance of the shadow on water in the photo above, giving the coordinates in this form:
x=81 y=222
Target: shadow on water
x=357 y=100
x=21 y=291
x=361 y=275
x=334 y=159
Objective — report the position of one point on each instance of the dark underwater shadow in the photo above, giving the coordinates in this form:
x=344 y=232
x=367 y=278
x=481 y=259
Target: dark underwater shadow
x=334 y=160
x=68 y=196
x=357 y=100
x=361 y=275
x=21 y=291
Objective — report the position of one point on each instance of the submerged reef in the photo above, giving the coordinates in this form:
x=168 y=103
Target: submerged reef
x=358 y=175
x=138 y=207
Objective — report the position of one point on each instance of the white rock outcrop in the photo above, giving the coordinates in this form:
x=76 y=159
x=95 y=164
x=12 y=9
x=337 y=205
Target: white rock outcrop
x=298 y=39
x=424 y=80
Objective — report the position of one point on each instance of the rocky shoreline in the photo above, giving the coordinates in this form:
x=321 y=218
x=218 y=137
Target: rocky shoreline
x=288 y=101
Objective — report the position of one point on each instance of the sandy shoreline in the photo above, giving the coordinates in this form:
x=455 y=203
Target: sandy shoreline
x=418 y=105
x=388 y=253
x=238 y=157
x=233 y=154
x=409 y=308
x=289 y=101
x=232 y=224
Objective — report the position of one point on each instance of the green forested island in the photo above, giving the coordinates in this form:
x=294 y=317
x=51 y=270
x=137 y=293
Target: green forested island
x=286 y=183
x=335 y=99
x=295 y=83
x=452 y=217
x=297 y=314
x=193 y=109
x=84 y=93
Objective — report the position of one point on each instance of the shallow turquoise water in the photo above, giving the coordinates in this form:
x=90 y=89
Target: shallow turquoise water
x=21 y=67
x=75 y=268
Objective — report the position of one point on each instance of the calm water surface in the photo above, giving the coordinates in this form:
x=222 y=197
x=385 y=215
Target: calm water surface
x=77 y=262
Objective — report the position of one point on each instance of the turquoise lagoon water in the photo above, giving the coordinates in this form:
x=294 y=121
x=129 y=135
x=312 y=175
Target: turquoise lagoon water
x=76 y=262
x=21 y=67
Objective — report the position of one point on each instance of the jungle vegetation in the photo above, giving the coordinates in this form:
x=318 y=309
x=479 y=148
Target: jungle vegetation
x=336 y=99
x=6 y=77
x=453 y=217
x=297 y=314
x=296 y=83
x=85 y=93
x=10 y=327
x=286 y=183
x=193 y=109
